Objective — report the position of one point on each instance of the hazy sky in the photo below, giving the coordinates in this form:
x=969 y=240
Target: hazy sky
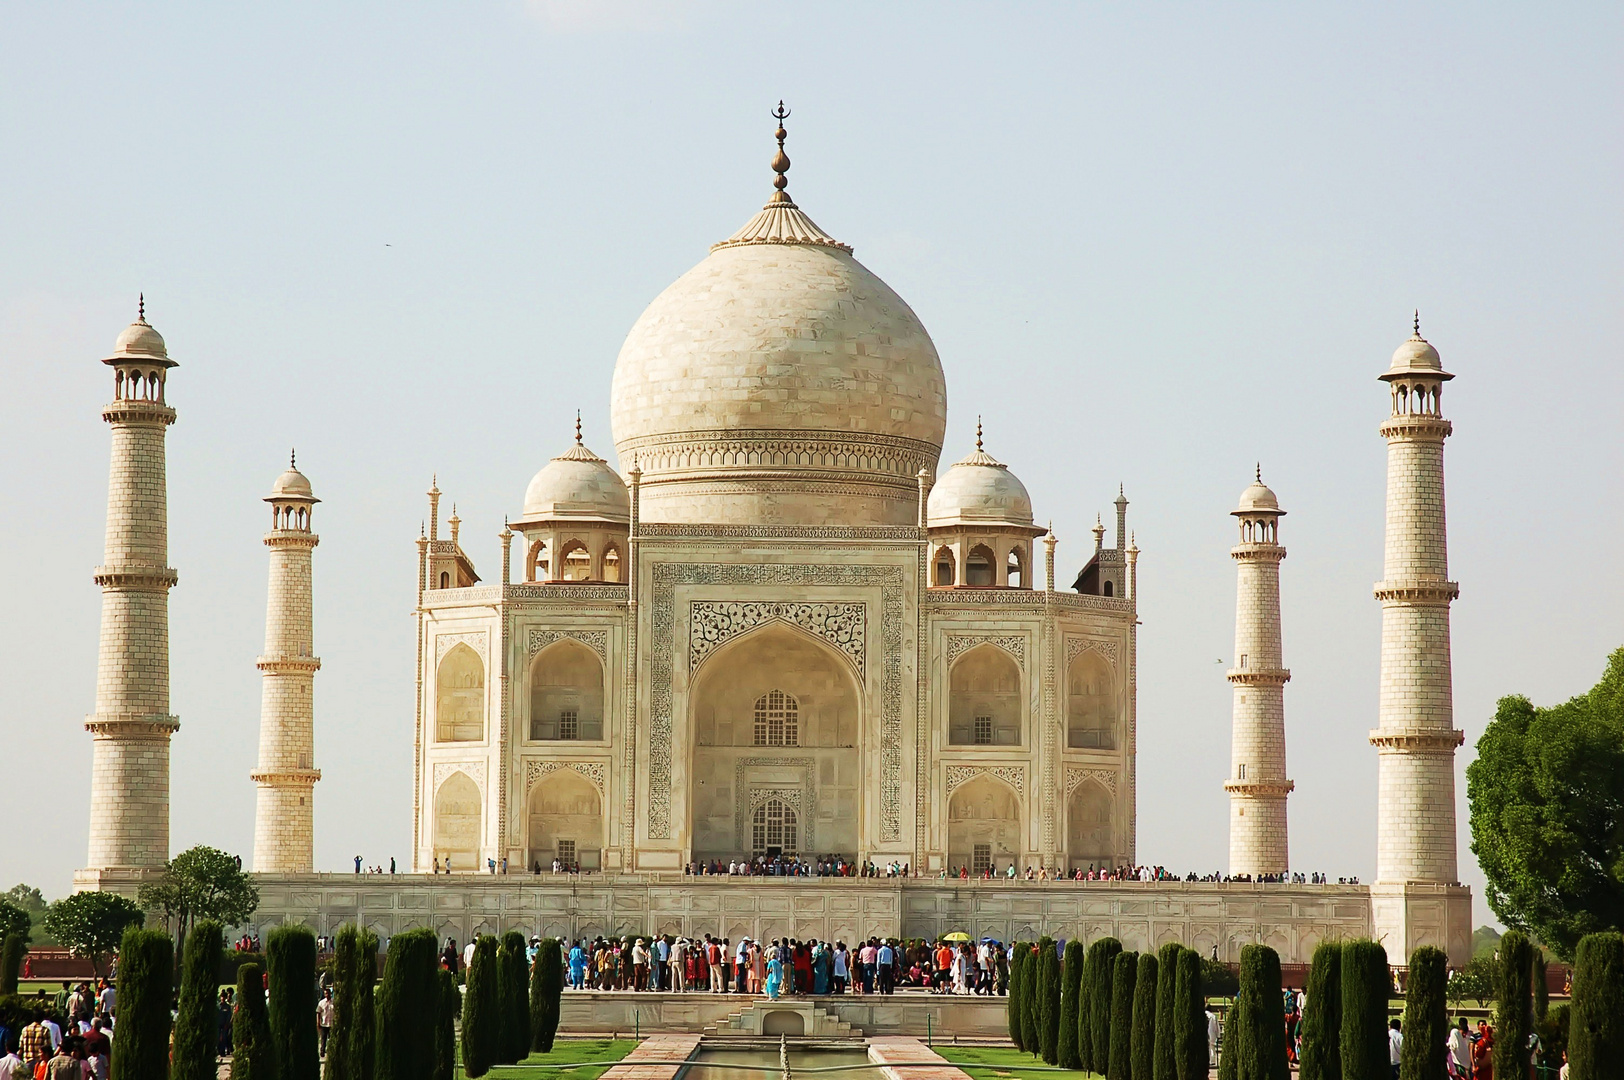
x=1154 y=244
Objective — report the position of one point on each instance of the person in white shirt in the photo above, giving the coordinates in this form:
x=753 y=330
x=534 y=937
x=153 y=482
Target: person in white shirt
x=324 y=1019
x=1460 y=1051
x=11 y=1066
x=1395 y=1044
x=468 y=954
x=1212 y=1036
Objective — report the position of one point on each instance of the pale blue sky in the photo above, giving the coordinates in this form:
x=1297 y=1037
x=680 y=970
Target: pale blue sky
x=1153 y=243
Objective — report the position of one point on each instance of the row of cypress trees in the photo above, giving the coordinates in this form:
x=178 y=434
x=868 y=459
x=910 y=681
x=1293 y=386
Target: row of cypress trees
x=1111 y=1012
x=510 y=1008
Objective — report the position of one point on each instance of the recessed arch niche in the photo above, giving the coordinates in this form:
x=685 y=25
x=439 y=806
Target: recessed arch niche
x=459 y=707
x=1091 y=712
x=983 y=824
x=566 y=693
x=984 y=703
x=565 y=818
x=731 y=774
x=457 y=813
x=1090 y=841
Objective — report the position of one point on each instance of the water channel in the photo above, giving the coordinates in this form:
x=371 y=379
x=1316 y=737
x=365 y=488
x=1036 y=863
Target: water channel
x=768 y=1066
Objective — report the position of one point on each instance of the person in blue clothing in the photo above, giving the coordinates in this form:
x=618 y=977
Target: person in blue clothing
x=578 y=966
x=775 y=972
x=886 y=961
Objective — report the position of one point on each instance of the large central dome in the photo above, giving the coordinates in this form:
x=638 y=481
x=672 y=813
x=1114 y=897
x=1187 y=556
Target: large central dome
x=779 y=382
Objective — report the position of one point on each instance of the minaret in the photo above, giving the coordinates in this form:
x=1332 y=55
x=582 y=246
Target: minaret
x=1416 y=736
x=286 y=774
x=1257 y=783
x=129 y=776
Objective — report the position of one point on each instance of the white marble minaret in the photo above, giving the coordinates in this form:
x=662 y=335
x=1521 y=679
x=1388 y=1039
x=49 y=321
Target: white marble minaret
x=286 y=774
x=129 y=778
x=1416 y=737
x=1257 y=783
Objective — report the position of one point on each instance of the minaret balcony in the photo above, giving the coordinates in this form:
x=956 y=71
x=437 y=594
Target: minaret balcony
x=136 y=411
x=1258 y=676
x=286 y=664
x=1261 y=788
x=1417 y=591
x=136 y=577
x=290 y=777
x=1417 y=426
x=1413 y=738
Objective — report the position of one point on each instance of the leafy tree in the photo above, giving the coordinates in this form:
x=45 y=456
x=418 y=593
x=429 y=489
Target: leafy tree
x=409 y=1007
x=1322 y=1015
x=197 y=1022
x=1048 y=1001
x=92 y=924
x=1190 y=1018
x=1474 y=981
x=253 y=1053
x=514 y=967
x=1071 y=980
x=14 y=919
x=546 y=994
x=481 y=1020
x=1263 y=1047
x=1099 y=1002
x=201 y=883
x=1365 y=985
x=1426 y=1017
x=145 y=980
x=1124 y=977
x=1012 y=1007
x=445 y=1026
x=1163 y=1066
x=1221 y=979
x=1547 y=798
x=1142 y=1042
x=32 y=901
x=291 y=952
x=11 y=962
x=1596 y=1021
x=1514 y=1004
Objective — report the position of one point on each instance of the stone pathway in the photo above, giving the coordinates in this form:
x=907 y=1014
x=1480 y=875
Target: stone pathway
x=925 y=1063
x=657 y=1057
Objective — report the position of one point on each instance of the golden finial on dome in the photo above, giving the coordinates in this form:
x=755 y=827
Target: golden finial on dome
x=141 y=307
x=1417 y=323
x=577 y=427
x=978 y=434
x=780 y=159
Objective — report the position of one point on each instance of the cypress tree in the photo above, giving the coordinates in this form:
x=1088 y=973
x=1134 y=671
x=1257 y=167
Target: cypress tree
x=1365 y=984
x=1085 y=1008
x=146 y=977
x=253 y=1054
x=1071 y=980
x=1142 y=1042
x=197 y=1022
x=364 y=1044
x=1426 y=1017
x=546 y=995
x=1263 y=1048
x=1542 y=990
x=290 y=953
x=1514 y=1006
x=345 y=1001
x=1167 y=976
x=408 y=1006
x=445 y=1024
x=1012 y=1007
x=1124 y=977
x=1596 y=1018
x=1048 y=1001
x=513 y=968
x=1031 y=998
x=1321 y=1057
x=11 y=962
x=1099 y=1005
x=480 y=1021
x=1189 y=1018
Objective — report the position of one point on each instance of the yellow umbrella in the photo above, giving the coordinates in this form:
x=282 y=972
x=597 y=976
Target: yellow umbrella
x=957 y=935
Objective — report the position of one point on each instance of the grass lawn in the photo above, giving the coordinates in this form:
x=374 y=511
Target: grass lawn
x=565 y=1051
x=1001 y=1062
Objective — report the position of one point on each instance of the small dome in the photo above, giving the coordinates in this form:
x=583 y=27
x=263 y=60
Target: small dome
x=140 y=342
x=292 y=485
x=1416 y=356
x=1258 y=499
x=578 y=485
x=980 y=490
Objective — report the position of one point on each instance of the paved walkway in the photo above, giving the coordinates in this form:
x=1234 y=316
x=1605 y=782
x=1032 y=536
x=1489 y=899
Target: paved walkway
x=926 y=1064
x=657 y=1057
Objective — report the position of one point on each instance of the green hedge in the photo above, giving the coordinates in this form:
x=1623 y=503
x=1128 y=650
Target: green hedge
x=253 y=1053
x=1365 y=986
x=1031 y=1002
x=1124 y=977
x=11 y=961
x=1596 y=1018
x=546 y=994
x=1321 y=1055
x=1190 y=1018
x=448 y=1005
x=1514 y=1005
x=197 y=1021
x=1048 y=1001
x=291 y=950
x=1263 y=1049
x=408 y=1007
x=146 y=979
x=513 y=969
x=1071 y=979
x=1426 y=1017
x=1012 y=1007
x=364 y=1046
x=339 y=1064
x=1099 y=1005
x=481 y=1016
x=1163 y=1064
x=1142 y=1043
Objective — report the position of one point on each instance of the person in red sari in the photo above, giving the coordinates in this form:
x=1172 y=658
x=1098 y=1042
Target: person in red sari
x=1483 y=1053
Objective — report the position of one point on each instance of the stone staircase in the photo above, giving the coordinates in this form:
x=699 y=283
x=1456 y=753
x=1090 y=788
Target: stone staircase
x=785 y=1016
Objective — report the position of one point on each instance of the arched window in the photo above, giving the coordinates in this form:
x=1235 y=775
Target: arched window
x=1109 y=589
x=445 y=580
x=611 y=564
x=460 y=699
x=536 y=564
x=576 y=562
x=984 y=699
x=1090 y=703
x=978 y=566
x=773 y=830
x=1014 y=572
x=944 y=566
x=778 y=720
x=566 y=693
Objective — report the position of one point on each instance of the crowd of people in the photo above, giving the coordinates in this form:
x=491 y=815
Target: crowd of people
x=68 y=1036
x=825 y=866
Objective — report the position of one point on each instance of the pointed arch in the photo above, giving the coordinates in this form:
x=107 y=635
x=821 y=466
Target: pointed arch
x=979 y=566
x=944 y=568
x=566 y=693
x=565 y=821
x=985 y=703
x=1090 y=833
x=1091 y=703
x=458 y=821
x=459 y=709
x=574 y=562
x=983 y=824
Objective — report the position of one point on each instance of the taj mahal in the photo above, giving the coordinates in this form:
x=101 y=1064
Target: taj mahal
x=780 y=624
